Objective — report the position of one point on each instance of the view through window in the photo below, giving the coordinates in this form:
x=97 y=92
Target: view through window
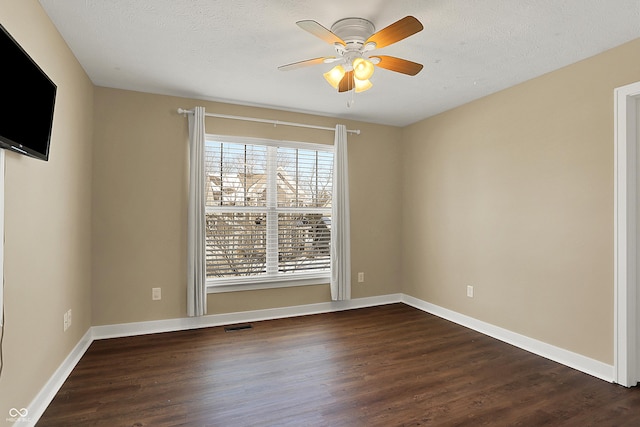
x=268 y=210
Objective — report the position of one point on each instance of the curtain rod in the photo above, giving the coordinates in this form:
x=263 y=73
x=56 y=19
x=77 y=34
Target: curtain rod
x=273 y=122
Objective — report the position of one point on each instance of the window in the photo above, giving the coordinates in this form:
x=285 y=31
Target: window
x=268 y=213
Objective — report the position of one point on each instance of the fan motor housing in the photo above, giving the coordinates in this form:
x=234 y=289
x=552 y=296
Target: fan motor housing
x=354 y=31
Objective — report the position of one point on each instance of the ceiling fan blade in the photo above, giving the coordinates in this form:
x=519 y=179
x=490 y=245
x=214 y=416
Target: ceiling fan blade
x=319 y=31
x=395 y=32
x=305 y=63
x=398 y=65
x=347 y=83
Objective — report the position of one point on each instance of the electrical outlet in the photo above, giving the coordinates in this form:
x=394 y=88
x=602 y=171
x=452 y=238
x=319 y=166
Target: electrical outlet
x=156 y=294
x=470 y=291
x=360 y=277
x=69 y=320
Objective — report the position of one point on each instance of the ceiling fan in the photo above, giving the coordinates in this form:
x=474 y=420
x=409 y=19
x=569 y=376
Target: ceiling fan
x=353 y=40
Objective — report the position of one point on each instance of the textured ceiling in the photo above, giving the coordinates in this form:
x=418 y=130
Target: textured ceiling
x=229 y=50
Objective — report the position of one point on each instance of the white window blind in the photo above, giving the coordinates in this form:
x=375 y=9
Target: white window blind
x=268 y=210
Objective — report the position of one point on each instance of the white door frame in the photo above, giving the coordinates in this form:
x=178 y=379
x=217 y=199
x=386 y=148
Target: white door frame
x=626 y=360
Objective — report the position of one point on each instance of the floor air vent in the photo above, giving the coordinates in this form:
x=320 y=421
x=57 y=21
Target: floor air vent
x=234 y=328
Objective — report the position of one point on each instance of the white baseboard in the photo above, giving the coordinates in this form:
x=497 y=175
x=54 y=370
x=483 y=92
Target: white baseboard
x=156 y=326
x=48 y=392
x=565 y=357
x=568 y=358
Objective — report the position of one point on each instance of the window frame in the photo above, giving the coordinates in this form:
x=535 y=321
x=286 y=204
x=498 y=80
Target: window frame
x=245 y=283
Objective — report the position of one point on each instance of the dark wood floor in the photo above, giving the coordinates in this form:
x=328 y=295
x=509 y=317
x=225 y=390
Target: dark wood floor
x=384 y=366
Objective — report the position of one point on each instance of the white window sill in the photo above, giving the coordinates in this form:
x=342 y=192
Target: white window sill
x=248 y=284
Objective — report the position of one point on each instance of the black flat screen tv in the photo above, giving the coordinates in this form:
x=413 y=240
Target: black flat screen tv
x=27 y=101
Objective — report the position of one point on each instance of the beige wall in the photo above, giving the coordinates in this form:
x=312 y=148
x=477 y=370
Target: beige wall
x=47 y=221
x=140 y=195
x=513 y=194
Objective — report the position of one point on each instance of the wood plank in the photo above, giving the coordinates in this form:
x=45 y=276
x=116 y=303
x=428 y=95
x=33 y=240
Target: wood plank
x=381 y=366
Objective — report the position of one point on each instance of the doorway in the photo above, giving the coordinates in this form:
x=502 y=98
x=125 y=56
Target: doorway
x=626 y=239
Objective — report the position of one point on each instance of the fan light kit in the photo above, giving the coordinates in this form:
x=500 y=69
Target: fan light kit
x=353 y=40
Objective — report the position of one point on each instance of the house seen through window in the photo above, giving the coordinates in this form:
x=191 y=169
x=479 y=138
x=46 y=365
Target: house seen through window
x=268 y=210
